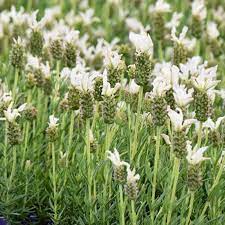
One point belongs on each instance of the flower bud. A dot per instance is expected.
(131, 71)
(109, 108)
(70, 55)
(74, 98)
(194, 178)
(131, 187)
(47, 85)
(14, 133)
(143, 65)
(202, 106)
(39, 77)
(158, 25)
(87, 104)
(159, 111)
(36, 42)
(169, 97)
(52, 129)
(115, 74)
(31, 80)
(30, 113)
(214, 138)
(56, 48)
(98, 85)
(179, 144)
(196, 27)
(179, 54)
(119, 173)
(17, 54)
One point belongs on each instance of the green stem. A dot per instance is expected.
(74, 4)
(203, 211)
(15, 83)
(6, 45)
(96, 113)
(121, 206)
(198, 47)
(137, 123)
(57, 83)
(13, 167)
(26, 191)
(156, 162)
(216, 181)
(106, 172)
(160, 51)
(5, 151)
(27, 127)
(175, 176)
(191, 202)
(54, 183)
(29, 5)
(133, 213)
(89, 169)
(199, 135)
(70, 136)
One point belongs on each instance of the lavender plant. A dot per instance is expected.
(79, 78)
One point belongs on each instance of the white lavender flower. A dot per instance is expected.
(175, 20)
(115, 158)
(212, 30)
(12, 114)
(131, 175)
(112, 58)
(134, 25)
(195, 156)
(177, 120)
(213, 126)
(170, 73)
(183, 96)
(53, 121)
(206, 79)
(160, 87)
(199, 9)
(107, 90)
(132, 87)
(142, 42)
(160, 7)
